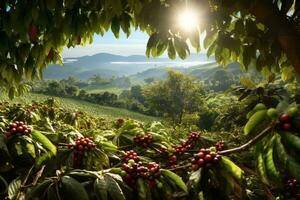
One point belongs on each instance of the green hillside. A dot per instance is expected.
(203, 72)
(90, 108)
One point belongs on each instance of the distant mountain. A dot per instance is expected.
(108, 65)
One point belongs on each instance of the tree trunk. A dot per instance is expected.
(281, 27)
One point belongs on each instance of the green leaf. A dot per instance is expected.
(108, 146)
(115, 27)
(290, 164)
(255, 120)
(72, 189)
(180, 47)
(151, 44)
(195, 177)
(3, 146)
(195, 40)
(3, 185)
(287, 73)
(209, 39)
(114, 190)
(282, 106)
(232, 168)
(52, 193)
(161, 48)
(171, 50)
(247, 82)
(39, 190)
(100, 188)
(142, 189)
(175, 178)
(14, 187)
(262, 169)
(292, 140)
(39, 137)
(270, 164)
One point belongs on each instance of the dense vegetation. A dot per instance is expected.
(141, 97)
(50, 153)
(250, 149)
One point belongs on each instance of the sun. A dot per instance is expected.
(188, 20)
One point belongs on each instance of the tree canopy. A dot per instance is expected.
(259, 33)
(179, 94)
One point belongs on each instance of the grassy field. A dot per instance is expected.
(101, 89)
(90, 108)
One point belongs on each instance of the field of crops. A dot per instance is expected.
(90, 108)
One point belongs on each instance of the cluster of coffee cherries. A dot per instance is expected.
(285, 122)
(143, 140)
(81, 144)
(292, 183)
(220, 145)
(172, 161)
(18, 127)
(130, 155)
(293, 188)
(182, 148)
(205, 158)
(187, 144)
(134, 170)
(120, 122)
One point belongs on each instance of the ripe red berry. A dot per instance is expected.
(201, 162)
(208, 157)
(285, 118)
(20, 129)
(13, 125)
(33, 32)
(201, 154)
(80, 147)
(173, 158)
(90, 145)
(287, 126)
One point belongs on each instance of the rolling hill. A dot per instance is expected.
(108, 65)
(90, 108)
(203, 72)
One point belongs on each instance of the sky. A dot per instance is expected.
(134, 45)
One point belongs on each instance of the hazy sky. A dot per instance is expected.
(135, 44)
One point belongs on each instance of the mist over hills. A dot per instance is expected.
(108, 65)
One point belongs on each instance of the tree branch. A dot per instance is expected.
(181, 167)
(251, 142)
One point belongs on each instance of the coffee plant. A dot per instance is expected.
(52, 156)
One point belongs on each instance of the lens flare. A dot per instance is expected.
(188, 20)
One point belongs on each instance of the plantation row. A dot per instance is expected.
(47, 152)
